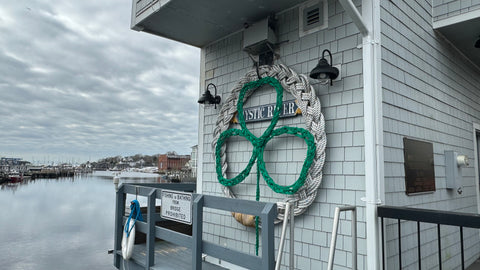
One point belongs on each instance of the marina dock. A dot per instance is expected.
(51, 173)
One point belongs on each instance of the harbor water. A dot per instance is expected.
(64, 223)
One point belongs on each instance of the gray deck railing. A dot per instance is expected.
(460, 220)
(266, 211)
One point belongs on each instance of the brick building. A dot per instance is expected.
(172, 161)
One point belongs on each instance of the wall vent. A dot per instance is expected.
(313, 17)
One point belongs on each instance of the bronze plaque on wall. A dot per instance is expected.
(419, 166)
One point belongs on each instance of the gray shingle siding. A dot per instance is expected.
(342, 105)
(430, 93)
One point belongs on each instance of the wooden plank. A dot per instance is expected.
(174, 237)
(268, 257)
(234, 205)
(233, 256)
(119, 210)
(197, 233)
(151, 229)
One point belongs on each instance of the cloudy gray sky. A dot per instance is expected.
(77, 84)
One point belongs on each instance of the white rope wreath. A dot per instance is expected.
(307, 101)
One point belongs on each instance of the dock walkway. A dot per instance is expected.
(168, 257)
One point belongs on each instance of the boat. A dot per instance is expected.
(15, 177)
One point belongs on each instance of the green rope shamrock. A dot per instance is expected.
(259, 143)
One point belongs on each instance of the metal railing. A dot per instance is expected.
(460, 220)
(289, 215)
(333, 241)
(266, 211)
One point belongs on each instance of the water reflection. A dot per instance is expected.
(14, 186)
(64, 223)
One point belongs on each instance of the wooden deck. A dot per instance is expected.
(168, 256)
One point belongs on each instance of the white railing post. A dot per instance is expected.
(333, 241)
(288, 214)
(292, 238)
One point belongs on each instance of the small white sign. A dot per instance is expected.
(177, 206)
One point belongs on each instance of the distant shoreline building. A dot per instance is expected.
(13, 164)
(193, 160)
(172, 161)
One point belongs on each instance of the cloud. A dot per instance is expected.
(77, 83)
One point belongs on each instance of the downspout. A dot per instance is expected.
(373, 119)
(369, 26)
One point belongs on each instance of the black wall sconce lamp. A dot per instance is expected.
(207, 97)
(324, 71)
(477, 43)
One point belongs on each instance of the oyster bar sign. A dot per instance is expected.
(265, 112)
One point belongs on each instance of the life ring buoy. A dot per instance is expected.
(128, 240)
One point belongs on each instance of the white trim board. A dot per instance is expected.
(476, 128)
(201, 119)
(456, 19)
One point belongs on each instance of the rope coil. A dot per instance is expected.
(303, 192)
(136, 214)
